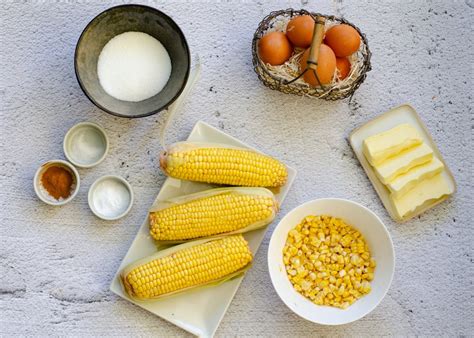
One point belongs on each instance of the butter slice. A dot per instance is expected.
(391, 168)
(402, 184)
(429, 189)
(377, 148)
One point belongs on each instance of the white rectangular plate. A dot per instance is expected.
(198, 311)
(392, 118)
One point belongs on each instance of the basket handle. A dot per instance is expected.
(318, 34)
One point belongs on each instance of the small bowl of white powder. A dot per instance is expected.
(110, 197)
(132, 61)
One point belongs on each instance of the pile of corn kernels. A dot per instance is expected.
(328, 261)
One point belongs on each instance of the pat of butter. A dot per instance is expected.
(429, 189)
(377, 148)
(402, 163)
(404, 183)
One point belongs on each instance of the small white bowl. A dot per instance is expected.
(86, 144)
(381, 248)
(41, 191)
(116, 188)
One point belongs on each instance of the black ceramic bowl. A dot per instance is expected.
(121, 19)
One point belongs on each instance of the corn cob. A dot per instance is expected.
(186, 266)
(215, 163)
(213, 212)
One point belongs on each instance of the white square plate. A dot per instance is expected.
(392, 118)
(198, 311)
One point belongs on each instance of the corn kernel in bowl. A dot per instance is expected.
(328, 261)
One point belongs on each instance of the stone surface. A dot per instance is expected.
(56, 263)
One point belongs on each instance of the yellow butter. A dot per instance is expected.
(377, 148)
(429, 189)
(400, 185)
(402, 163)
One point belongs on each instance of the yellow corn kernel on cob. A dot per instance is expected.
(214, 163)
(187, 266)
(213, 212)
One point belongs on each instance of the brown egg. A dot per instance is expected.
(274, 48)
(344, 67)
(326, 66)
(300, 30)
(343, 39)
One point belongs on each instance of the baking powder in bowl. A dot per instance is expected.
(133, 66)
(111, 198)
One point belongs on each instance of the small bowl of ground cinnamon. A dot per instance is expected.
(56, 182)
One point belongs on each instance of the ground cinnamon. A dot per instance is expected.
(57, 181)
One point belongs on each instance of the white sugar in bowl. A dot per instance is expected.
(110, 197)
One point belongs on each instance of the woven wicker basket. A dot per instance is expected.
(328, 92)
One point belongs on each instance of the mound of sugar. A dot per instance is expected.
(133, 66)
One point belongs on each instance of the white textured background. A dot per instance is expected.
(56, 263)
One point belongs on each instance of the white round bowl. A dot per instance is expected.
(86, 144)
(378, 240)
(98, 185)
(41, 191)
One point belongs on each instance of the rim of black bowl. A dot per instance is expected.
(153, 112)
